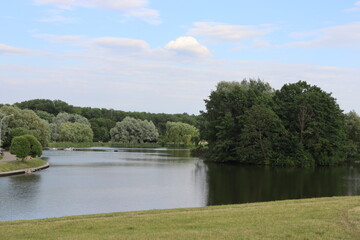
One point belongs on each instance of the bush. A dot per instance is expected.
(26, 145)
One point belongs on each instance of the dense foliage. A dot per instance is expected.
(181, 133)
(131, 130)
(75, 132)
(101, 119)
(27, 122)
(26, 145)
(298, 125)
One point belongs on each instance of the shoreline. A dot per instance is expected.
(24, 171)
(313, 218)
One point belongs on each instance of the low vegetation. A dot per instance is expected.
(18, 165)
(102, 144)
(324, 218)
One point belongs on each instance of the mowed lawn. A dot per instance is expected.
(323, 218)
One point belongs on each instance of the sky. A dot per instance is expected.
(167, 56)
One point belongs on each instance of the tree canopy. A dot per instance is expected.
(181, 133)
(25, 145)
(297, 125)
(131, 130)
(75, 132)
(26, 119)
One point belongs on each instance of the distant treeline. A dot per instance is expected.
(101, 119)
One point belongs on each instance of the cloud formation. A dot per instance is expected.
(223, 32)
(122, 45)
(134, 8)
(355, 8)
(344, 36)
(6, 50)
(188, 46)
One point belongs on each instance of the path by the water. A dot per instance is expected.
(8, 157)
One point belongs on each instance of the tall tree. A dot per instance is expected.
(314, 121)
(223, 120)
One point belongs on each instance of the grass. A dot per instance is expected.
(324, 218)
(18, 165)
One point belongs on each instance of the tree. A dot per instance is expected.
(260, 135)
(131, 130)
(222, 123)
(20, 147)
(181, 133)
(315, 124)
(29, 120)
(62, 118)
(352, 125)
(35, 146)
(101, 128)
(75, 132)
(45, 115)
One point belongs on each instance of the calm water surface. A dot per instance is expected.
(113, 180)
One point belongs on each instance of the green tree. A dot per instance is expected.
(101, 128)
(260, 136)
(181, 133)
(315, 124)
(35, 146)
(75, 132)
(223, 122)
(62, 118)
(131, 130)
(20, 146)
(352, 125)
(29, 120)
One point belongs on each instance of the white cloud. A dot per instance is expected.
(355, 8)
(59, 38)
(122, 45)
(6, 50)
(135, 8)
(347, 36)
(188, 46)
(56, 15)
(223, 32)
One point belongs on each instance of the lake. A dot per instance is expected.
(102, 180)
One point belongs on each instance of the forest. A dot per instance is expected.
(244, 122)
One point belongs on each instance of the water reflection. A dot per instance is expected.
(228, 184)
(121, 179)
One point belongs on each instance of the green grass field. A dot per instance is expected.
(324, 218)
(18, 165)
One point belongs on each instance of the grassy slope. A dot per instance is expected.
(324, 218)
(17, 165)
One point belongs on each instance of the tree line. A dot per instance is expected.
(298, 125)
(57, 121)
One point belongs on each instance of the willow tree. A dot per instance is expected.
(26, 119)
(181, 133)
(131, 130)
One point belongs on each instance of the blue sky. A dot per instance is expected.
(166, 56)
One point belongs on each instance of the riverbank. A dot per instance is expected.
(323, 218)
(13, 166)
(112, 144)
